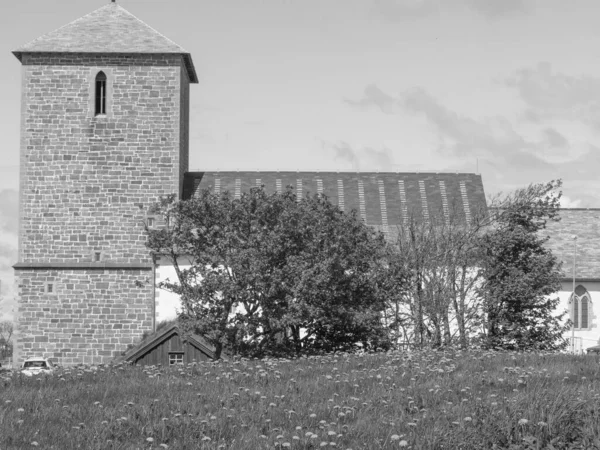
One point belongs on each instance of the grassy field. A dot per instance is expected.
(424, 400)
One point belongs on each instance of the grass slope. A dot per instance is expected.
(422, 400)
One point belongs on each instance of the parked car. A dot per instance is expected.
(37, 366)
(595, 349)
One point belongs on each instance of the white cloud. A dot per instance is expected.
(567, 202)
(508, 158)
(550, 95)
(366, 158)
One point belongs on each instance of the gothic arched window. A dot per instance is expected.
(580, 308)
(100, 104)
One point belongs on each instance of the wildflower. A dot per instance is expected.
(20, 410)
(468, 419)
(149, 439)
(35, 444)
(394, 437)
(542, 424)
(402, 443)
(523, 421)
(164, 446)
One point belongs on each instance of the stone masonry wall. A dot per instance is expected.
(90, 317)
(184, 129)
(86, 185)
(87, 181)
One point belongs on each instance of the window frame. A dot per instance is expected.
(178, 360)
(50, 288)
(108, 94)
(100, 93)
(576, 309)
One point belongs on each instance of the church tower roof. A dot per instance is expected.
(109, 29)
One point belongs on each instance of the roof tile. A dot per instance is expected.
(366, 192)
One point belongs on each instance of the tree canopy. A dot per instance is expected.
(521, 274)
(271, 273)
(275, 274)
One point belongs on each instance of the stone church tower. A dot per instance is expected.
(104, 133)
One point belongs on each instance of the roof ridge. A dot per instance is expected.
(341, 172)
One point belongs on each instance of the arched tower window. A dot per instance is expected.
(100, 104)
(580, 307)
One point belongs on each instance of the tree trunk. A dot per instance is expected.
(447, 333)
(419, 310)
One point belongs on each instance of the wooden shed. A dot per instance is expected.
(169, 347)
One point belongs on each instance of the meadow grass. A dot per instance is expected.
(418, 400)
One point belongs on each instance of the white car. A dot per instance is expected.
(37, 366)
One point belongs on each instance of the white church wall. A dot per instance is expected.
(168, 304)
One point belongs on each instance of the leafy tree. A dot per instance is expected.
(6, 344)
(521, 274)
(440, 257)
(272, 273)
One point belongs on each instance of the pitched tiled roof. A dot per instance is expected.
(384, 200)
(109, 29)
(585, 224)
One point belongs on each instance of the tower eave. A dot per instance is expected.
(187, 59)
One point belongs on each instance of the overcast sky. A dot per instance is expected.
(507, 87)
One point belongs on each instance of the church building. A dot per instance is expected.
(104, 134)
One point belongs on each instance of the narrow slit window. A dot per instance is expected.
(100, 93)
(50, 288)
(584, 312)
(97, 256)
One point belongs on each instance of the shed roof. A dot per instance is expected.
(382, 199)
(161, 336)
(109, 29)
